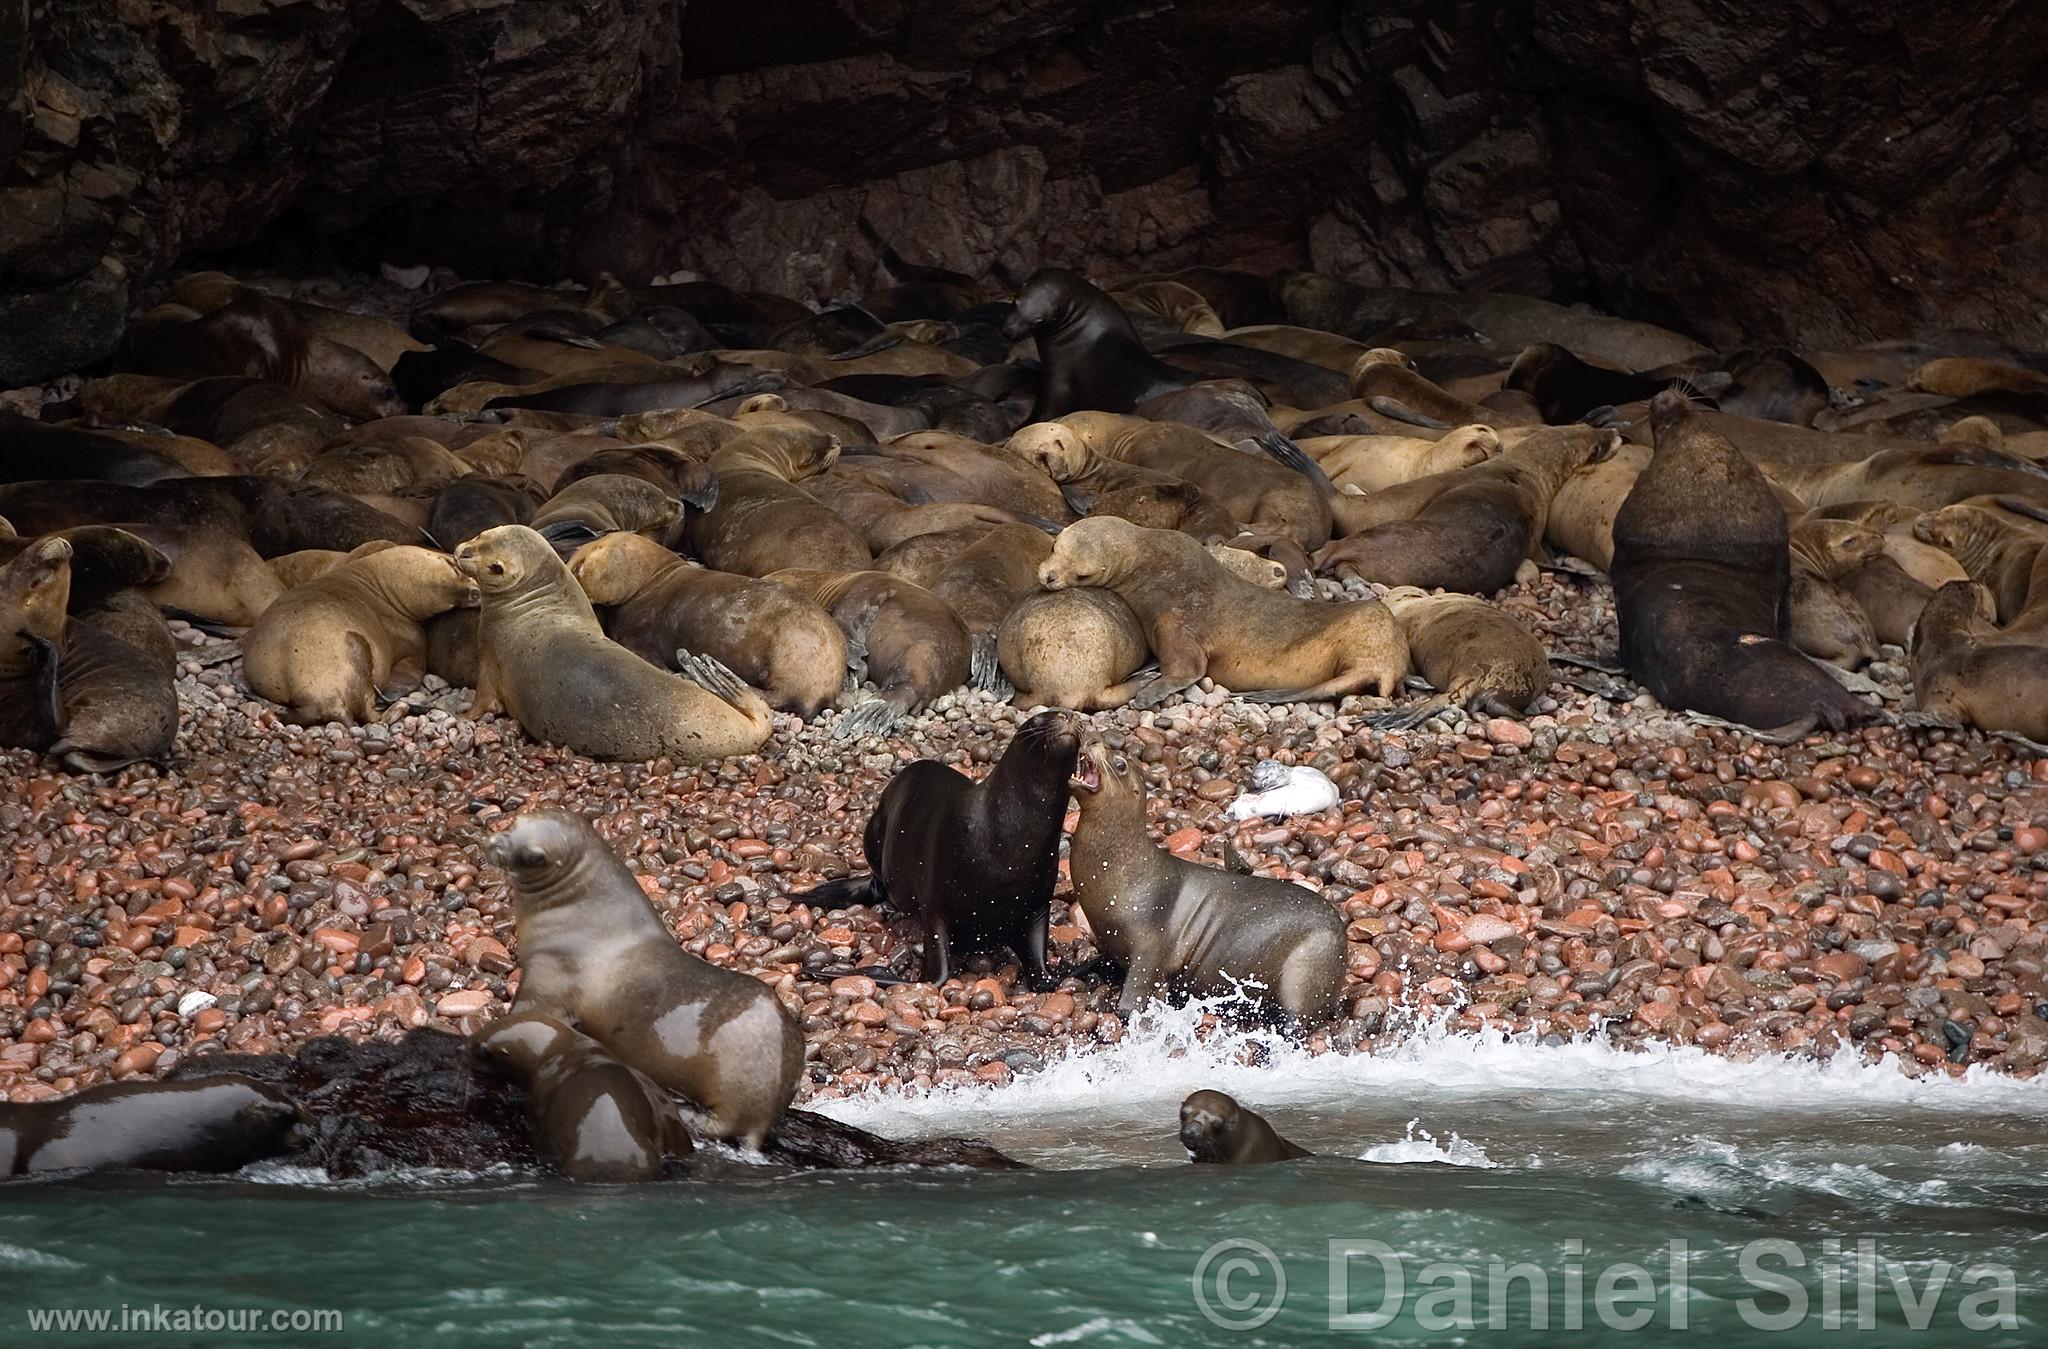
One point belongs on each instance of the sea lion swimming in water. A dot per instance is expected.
(1215, 1128)
(596, 954)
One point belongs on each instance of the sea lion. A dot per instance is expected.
(1237, 415)
(1963, 672)
(1825, 622)
(764, 522)
(1180, 307)
(1701, 571)
(1566, 388)
(1473, 653)
(116, 680)
(323, 650)
(467, 507)
(1473, 529)
(1375, 463)
(35, 589)
(898, 634)
(1926, 477)
(542, 657)
(974, 863)
(596, 954)
(209, 1124)
(384, 466)
(1092, 356)
(1070, 648)
(1201, 620)
(885, 521)
(654, 603)
(1183, 929)
(986, 474)
(1997, 555)
(982, 583)
(605, 503)
(1384, 381)
(1966, 377)
(1215, 1128)
(274, 516)
(34, 451)
(675, 472)
(600, 1121)
(1095, 484)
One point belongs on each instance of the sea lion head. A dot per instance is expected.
(1834, 547)
(351, 384)
(1979, 431)
(34, 590)
(1091, 552)
(1969, 533)
(617, 567)
(1208, 1124)
(505, 558)
(1669, 411)
(428, 581)
(1465, 446)
(1055, 734)
(495, 453)
(1098, 768)
(1957, 609)
(515, 1046)
(1057, 450)
(1379, 356)
(792, 451)
(539, 849)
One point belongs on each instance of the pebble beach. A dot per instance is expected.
(1604, 869)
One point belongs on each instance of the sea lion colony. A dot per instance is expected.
(659, 524)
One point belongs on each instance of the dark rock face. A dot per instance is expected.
(1825, 171)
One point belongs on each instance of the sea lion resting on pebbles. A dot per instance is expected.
(542, 656)
(1476, 656)
(1702, 570)
(764, 522)
(780, 642)
(974, 863)
(1179, 928)
(600, 1121)
(596, 954)
(324, 649)
(1070, 648)
(1202, 620)
(1963, 672)
(1215, 1128)
(209, 1124)
(900, 635)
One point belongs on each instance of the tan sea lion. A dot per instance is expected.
(1963, 672)
(1176, 305)
(1926, 477)
(542, 657)
(1473, 653)
(1185, 930)
(35, 589)
(764, 522)
(598, 1120)
(1385, 380)
(1303, 344)
(1070, 648)
(596, 954)
(382, 467)
(1375, 463)
(984, 580)
(1996, 554)
(1215, 1128)
(324, 649)
(605, 503)
(1202, 620)
(898, 634)
(654, 604)
(1581, 522)
(1966, 377)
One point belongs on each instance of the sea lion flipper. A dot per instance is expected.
(1404, 718)
(1158, 689)
(1290, 455)
(985, 673)
(713, 676)
(1401, 412)
(871, 718)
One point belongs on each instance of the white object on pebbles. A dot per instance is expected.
(1280, 790)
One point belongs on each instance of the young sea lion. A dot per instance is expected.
(1702, 570)
(900, 635)
(117, 682)
(1963, 672)
(763, 521)
(1070, 648)
(1215, 1128)
(598, 1120)
(975, 863)
(1375, 463)
(1996, 554)
(1476, 656)
(543, 657)
(209, 1124)
(323, 650)
(1183, 929)
(654, 603)
(596, 954)
(1566, 388)
(1386, 382)
(1202, 620)
(467, 507)
(1473, 529)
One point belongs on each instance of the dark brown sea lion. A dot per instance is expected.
(274, 516)
(653, 603)
(605, 503)
(689, 480)
(467, 507)
(323, 650)
(598, 1120)
(1215, 1128)
(711, 379)
(1566, 388)
(1070, 648)
(1384, 381)
(1963, 672)
(116, 679)
(1092, 356)
(898, 634)
(974, 863)
(1200, 619)
(1473, 529)
(1702, 570)
(764, 521)
(1236, 414)
(209, 1124)
(1927, 477)
(256, 336)
(32, 451)
(1185, 930)
(542, 656)
(596, 954)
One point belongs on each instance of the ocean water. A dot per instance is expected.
(1469, 1190)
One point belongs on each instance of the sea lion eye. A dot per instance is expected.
(1117, 765)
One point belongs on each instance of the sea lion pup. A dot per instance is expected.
(1701, 572)
(1963, 672)
(1965, 377)
(1185, 930)
(1997, 555)
(1200, 619)
(764, 522)
(905, 639)
(974, 863)
(599, 1121)
(1262, 496)
(1375, 463)
(597, 955)
(467, 507)
(689, 480)
(1095, 484)
(1475, 656)
(1825, 620)
(986, 473)
(117, 676)
(1474, 528)
(542, 657)
(885, 521)
(1215, 1128)
(35, 588)
(1566, 388)
(1383, 380)
(654, 603)
(207, 1124)
(982, 583)
(1070, 648)
(323, 650)
(606, 503)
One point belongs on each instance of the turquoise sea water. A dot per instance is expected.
(1799, 1197)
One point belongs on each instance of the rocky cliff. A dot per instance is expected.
(1821, 170)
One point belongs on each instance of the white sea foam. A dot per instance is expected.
(26, 1259)
(1420, 1145)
